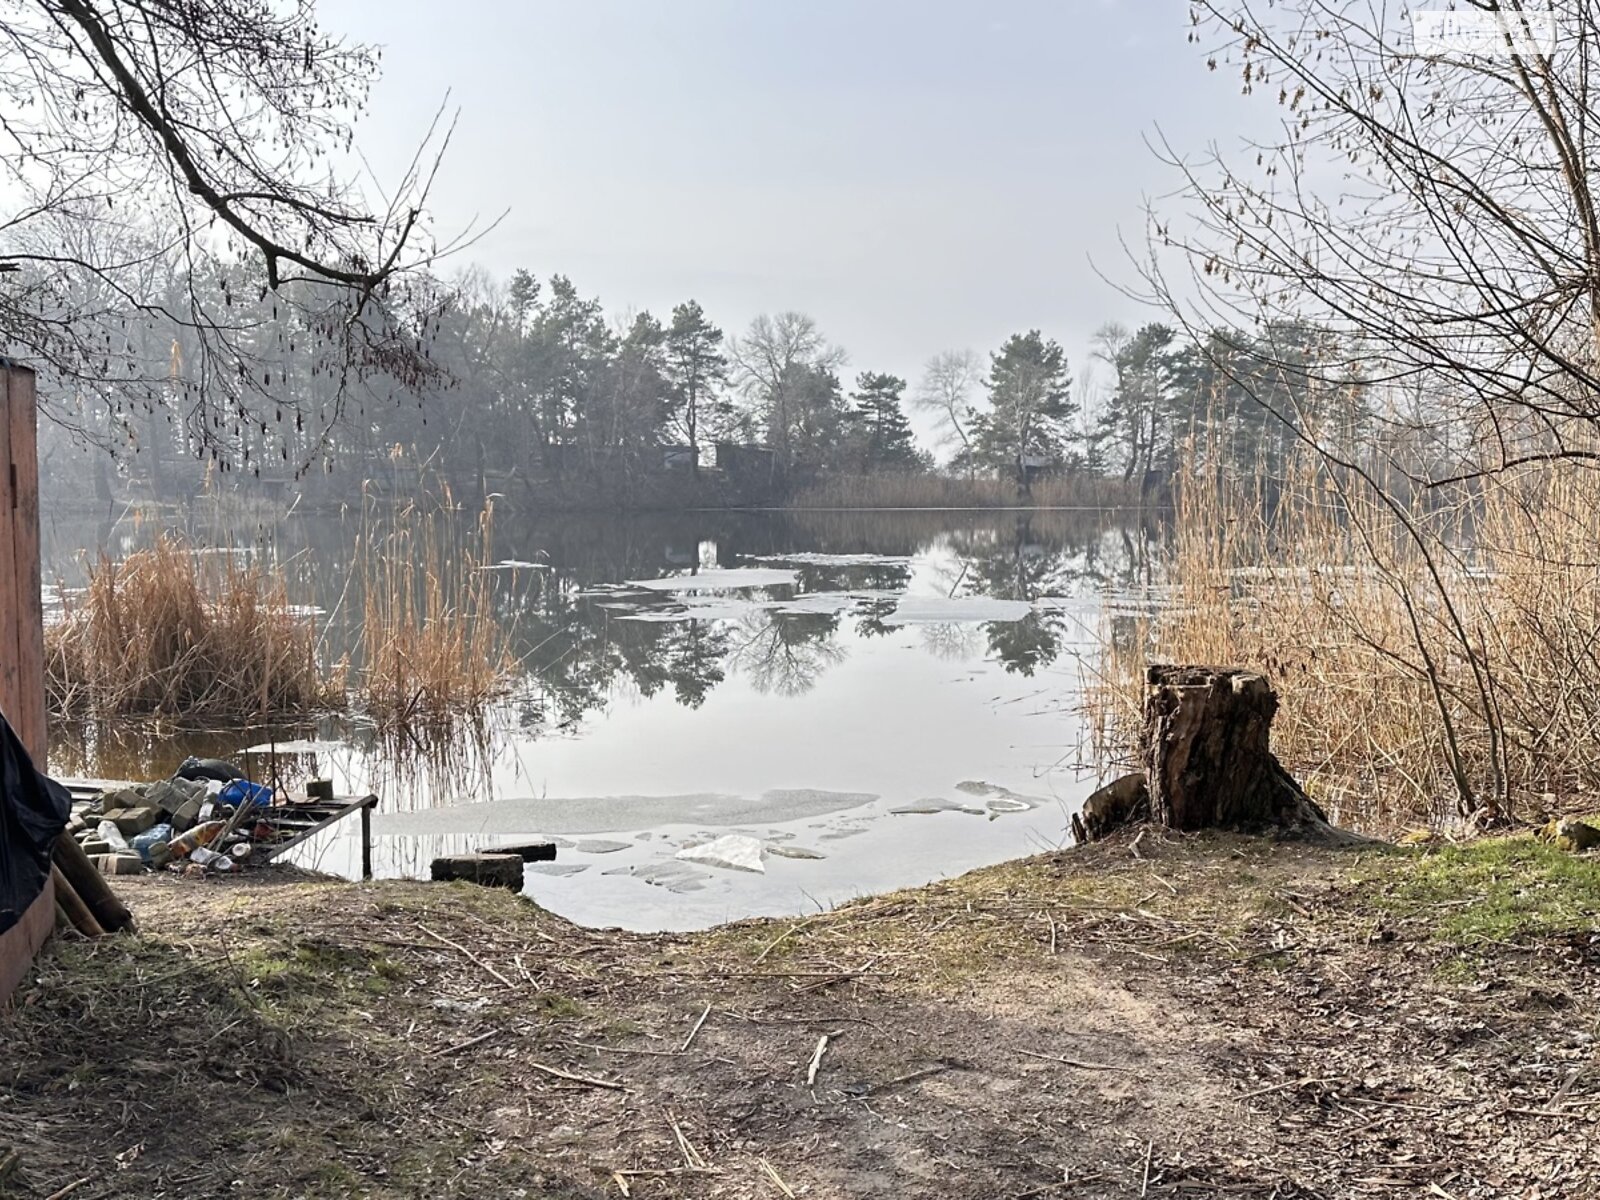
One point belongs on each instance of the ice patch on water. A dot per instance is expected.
(734, 851)
(840, 834)
(718, 581)
(559, 870)
(692, 609)
(1000, 799)
(515, 564)
(599, 846)
(675, 877)
(817, 559)
(825, 604)
(933, 610)
(783, 850)
(935, 804)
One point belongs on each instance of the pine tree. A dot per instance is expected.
(1031, 410)
(887, 440)
(695, 367)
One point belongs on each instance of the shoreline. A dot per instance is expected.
(1177, 1015)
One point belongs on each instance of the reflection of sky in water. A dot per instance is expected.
(882, 663)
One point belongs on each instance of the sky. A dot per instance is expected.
(917, 175)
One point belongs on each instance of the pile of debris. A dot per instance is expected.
(207, 818)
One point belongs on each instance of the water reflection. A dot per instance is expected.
(589, 638)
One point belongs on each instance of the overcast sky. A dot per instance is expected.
(916, 174)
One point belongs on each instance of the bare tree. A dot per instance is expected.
(215, 136)
(1431, 210)
(767, 364)
(1434, 210)
(946, 390)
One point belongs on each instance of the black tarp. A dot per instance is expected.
(33, 812)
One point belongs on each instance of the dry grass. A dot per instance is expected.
(174, 633)
(1431, 659)
(433, 649)
(927, 490)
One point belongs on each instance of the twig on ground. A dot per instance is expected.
(584, 1079)
(816, 1058)
(781, 938)
(1149, 1150)
(1278, 1087)
(1073, 1062)
(468, 954)
(693, 1160)
(466, 1045)
(777, 1180)
(693, 1033)
(623, 1049)
(914, 1076)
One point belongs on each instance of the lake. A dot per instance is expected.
(878, 699)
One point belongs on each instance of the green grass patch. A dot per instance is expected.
(1493, 890)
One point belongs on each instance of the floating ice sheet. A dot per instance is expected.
(719, 580)
(935, 804)
(814, 559)
(735, 851)
(937, 610)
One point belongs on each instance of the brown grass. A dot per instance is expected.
(173, 633)
(928, 490)
(433, 650)
(1429, 660)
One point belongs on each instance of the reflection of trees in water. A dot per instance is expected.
(577, 654)
(949, 641)
(1037, 556)
(786, 654)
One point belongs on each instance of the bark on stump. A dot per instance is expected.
(1208, 763)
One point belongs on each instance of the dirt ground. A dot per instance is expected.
(1150, 1017)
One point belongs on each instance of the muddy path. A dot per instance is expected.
(1183, 1018)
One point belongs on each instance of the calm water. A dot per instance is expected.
(878, 698)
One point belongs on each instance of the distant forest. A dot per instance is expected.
(533, 392)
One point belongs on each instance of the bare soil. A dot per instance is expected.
(1159, 1017)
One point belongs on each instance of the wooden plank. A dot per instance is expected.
(341, 814)
(29, 721)
(21, 942)
(11, 700)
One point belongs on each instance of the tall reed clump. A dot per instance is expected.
(912, 489)
(194, 637)
(433, 649)
(1437, 659)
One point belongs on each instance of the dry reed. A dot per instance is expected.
(433, 649)
(186, 636)
(1433, 660)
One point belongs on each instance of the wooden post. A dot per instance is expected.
(21, 595)
(366, 841)
(21, 630)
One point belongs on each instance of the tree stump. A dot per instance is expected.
(1208, 763)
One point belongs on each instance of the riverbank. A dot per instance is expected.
(1153, 1016)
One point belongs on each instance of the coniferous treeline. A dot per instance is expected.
(536, 391)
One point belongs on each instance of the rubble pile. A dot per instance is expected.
(206, 818)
